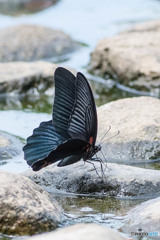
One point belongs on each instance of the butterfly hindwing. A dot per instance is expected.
(83, 121)
(68, 152)
(43, 140)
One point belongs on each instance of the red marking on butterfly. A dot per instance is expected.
(91, 140)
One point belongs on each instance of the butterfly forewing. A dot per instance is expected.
(64, 99)
(83, 121)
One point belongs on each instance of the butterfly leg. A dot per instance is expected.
(94, 167)
(105, 164)
(101, 164)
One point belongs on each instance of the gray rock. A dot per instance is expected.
(23, 77)
(31, 42)
(133, 57)
(25, 207)
(153, 25)
(10, 146)
(138, 120)
(120, 180)
(16, 7)
(81, 231)
(145, 216)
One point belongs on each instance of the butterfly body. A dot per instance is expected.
(71, 134)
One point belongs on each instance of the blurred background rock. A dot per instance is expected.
(17, 7)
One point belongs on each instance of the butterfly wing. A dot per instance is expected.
(43, 140)
(83, 121)
(64, 99)
(74, 110)
(68, 152)
(74, 124)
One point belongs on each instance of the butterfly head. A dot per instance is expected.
(97, 148)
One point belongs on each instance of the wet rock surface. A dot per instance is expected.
(132, 57)
(81, 231)
(10, 146)
(120, 180)
(23, 77)
(145, 216)
(138, 120)
(25, 207)
(16, 7)
(31, 42)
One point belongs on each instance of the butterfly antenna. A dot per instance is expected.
(105, 134)
(111, 137)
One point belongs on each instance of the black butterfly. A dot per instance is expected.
(72, 132)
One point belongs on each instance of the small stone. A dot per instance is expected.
(10, 146)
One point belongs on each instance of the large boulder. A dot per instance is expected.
(31, 42)
(25, 207)
(144, 219)
(15, 7)
(26, 77)
(138, 120)
(10, 146)
(79, 232)
(116, 180)
(132, 57)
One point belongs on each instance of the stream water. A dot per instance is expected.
(86, 22)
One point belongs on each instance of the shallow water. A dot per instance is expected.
(87, 22)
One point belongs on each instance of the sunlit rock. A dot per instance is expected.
(138, 120)
(144, 219)
(31, 42)
(25, 207)
(17, 7)
(81, 231)
(118, 180)
(26, 77)
(131, 57)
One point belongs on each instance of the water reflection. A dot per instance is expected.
(43, 103)
(105, 210)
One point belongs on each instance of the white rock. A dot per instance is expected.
(145, 216)
(79, 232)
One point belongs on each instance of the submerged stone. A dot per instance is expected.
(10, 146)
